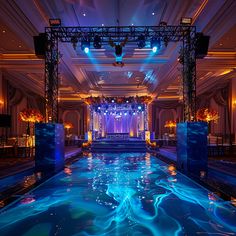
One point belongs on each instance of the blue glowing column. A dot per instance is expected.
(49, 146)
(192, 147)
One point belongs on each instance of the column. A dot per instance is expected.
(233, 107)
(192, 148)
(49, 147)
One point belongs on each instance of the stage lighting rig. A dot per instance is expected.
(118, 47)
(85, 46)
(155, 44)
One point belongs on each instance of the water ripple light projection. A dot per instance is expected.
(119, 194)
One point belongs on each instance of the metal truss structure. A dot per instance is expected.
(165, 34)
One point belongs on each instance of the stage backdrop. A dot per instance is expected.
(125, 122)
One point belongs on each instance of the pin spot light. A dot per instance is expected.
(85, 46)
(155, 44)
(97, 43)
(86, 50)
(141, 41)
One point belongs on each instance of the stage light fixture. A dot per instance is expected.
(85, 46)
(162, 23)
(97, 43)
(118, 50)
(186, 21)
(166, 41)
(118, 63)
(155, 44)
(141, 41)
(55, 22)
(74, 42)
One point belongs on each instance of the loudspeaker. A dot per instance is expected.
(40, 43)
(5, 120)
(202, 43)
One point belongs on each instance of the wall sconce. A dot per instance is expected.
(1, 102)
(234, 102)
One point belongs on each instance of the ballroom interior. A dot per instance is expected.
(90, 68)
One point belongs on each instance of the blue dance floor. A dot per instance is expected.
(118, 194)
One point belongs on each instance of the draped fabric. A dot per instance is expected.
(19, 100)
(15, 96)
(220, 97)
(203, 101)
(167, 104)
(71, 105)
(124, 124)
(163, 111)
(33, 100)
(111, 123)
(219, 94)
(165, 115)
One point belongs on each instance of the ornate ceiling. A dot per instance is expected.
(143, 72)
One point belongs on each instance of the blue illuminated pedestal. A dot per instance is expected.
(49, 147)
(192, 147)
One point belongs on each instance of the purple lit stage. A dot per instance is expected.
(118, 121)
(117, 136)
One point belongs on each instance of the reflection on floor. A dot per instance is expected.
(221, 171)
(121, 194)
(17, 175)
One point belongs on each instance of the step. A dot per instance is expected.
(118, 146)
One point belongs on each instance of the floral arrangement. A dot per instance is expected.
(151, 144)
(31, 115)
(207, 115)
(67, 125)
(170, 124)
(119, 100)
(86, 145)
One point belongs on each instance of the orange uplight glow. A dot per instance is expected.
(86, 145)
(31, 115)
(170, 124)
(131, 133)
(207, 115)
(172, 170)
(68, 125)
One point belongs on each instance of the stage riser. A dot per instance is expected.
(118, 146)
(115, 151)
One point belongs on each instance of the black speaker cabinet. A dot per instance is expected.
(40, 42)
(5, 120)
(202, 43)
